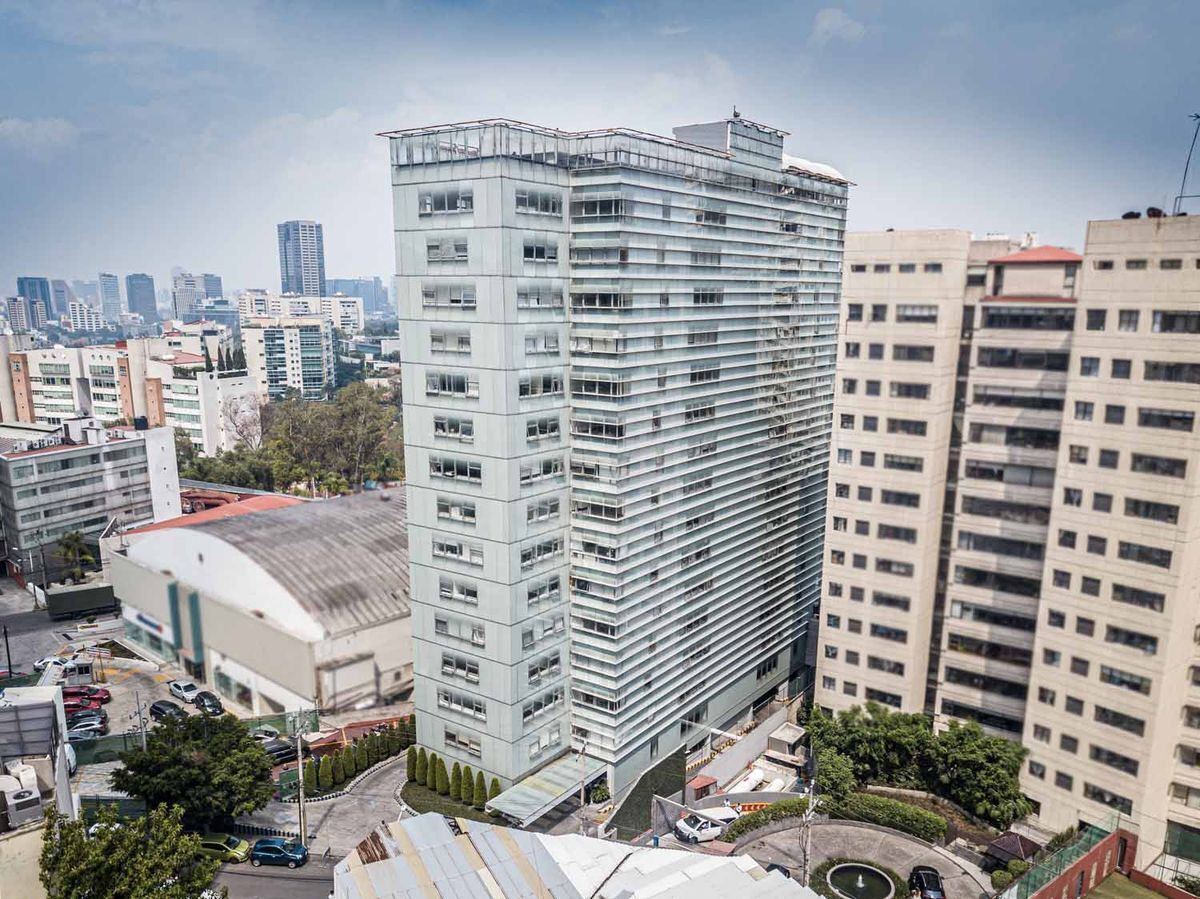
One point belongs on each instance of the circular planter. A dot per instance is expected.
(858, 880)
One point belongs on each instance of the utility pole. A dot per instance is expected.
(806, 821)
(8, 652)
(582, 797)
(300, 782)
(137, 698)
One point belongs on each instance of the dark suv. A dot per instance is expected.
(926, 881)
(208, 703)
(164, 708)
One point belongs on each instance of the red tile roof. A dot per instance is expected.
(229, 510)
(1038, 255)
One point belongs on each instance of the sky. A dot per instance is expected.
(137, 135)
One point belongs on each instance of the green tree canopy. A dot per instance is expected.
(835, 776)
(134, 857)
(210, 767)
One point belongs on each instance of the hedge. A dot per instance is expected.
(819, 879)
(894, 814)
(776, 811)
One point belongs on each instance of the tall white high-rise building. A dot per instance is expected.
(302, 258)
(618, 369)
(187, 291)
(111, 306)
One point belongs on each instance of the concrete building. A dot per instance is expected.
(344, 313)
(290, 352)
(18, 311)
(139, 293)
(302, 258)
(79, 476)
(295, 605)
(111, 305)
(651, 321)
(429, 856)
(32, 729)
(61, 295)
(213, 290)
(187, 290)
(374, 294)
(86, 318)
(37, 291)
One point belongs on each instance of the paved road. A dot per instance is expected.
(313, 881)
(31, 635)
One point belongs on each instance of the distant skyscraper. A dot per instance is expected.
(212, 286)
(37, 290)
(302, 258)
(372, 291)
(110, 297)
(88, 291)
(139, 294)
(62, 296)
(186, 292)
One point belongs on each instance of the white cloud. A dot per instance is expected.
(37, 137)
(675, 29)
(832, 23)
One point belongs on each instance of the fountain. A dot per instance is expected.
(857, 880)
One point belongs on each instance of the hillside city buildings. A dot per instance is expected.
(1011, 517)
(302, 258)
(618, 359)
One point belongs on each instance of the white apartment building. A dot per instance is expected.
(344, 313)
(86, 318)
(618, 357)
(187, 290)
(290, 352)
(111, 304)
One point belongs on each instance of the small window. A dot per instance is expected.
(1089, 366)
(1096, 319)
(1135, 265)
(1121, 369)
(1103, 265)
(1170, 265)
(1127, 320)
(1114, 415)
(933, 268)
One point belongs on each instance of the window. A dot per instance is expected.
(449, 296)
(852, 350)
(907, 268)
(1115, 677)
(1095, 319)
(933, 268)
(895, 634)
(1046, 696)
(913, 314)
(865, 494)
(911, 427)
(1170, 265)
(904, 353)
(870, 423)
(545, 344)
(858, 267)
(1119, 720)
(1101, 502)
(1037, 769)
(1160, 465)
(866, 458)
(879, 312)
(450, 342)
(1127, 320)
(1097, 546)
(458, 551)
(537, 429)
(538, 202)
(1062, 579)
(451, 384)
(1105, 797)
(542, 510)
(446, 249)
(908, 391)
(540, 469)
(854, 312)
(452, 199)
(891, 566)
(455, 469)
(540, 250)
(1133, 639)
(1029, 360)
(1041, 733)
(1004, 546)
(1066, 538)
(457, 666)
(701, 338)
(449, 509)
(892, 532)
(1170, 322)
(1168, 419)
(542, 384)
(449, 428)
(846, 422)
(875, 351)
(707, 297)
(1102, 265)
(881, 268)
(1089, 366)
(872, 388)
(887, 666)
(463, 743)
(1072, 496)
(452, 590)
(902, 463)
(1084, 411)
(1108, 458)
(539, 297)
(1089, 586)
(1055, 618)
(1121, 369)
(1135, 264)
(849, 385)
(1028, 318)
(1114, 415)
(900, 498)
(1073, 705)
(1136, 596)
(1146, 555)
(890, 601)
(1174, 372)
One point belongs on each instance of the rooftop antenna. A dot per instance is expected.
(1195, 117)
(738, 115)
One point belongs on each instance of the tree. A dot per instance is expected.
(431, 771)
(835, 776)
(360, 756)
(422, 766)
(410, 767)
(349, 762)
(456, 781)
(133, 857)
(981, 773)
(242, 417)
(467, 794)
(211, 767)
(494, 789)
(442, 783)
(395, 740)
(480, 790)
(208, 363)
(339, 772)
(325, 773)
(310, 777)
(74, 553)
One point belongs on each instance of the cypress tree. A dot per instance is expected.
(456, 781)
(494, 789)
(443, 779)
(431, 772)
(208, 363)
(325, 773)
(480, 791)
(467, 789)
(422, 766)
(339, 772)
(349, 763)
(310, 777)
(411, 763)
(360, 756)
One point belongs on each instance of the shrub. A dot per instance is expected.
(835, 775)
(456, 781)
(892, 813)
(494, 788)
(480, 791)
(349, 762)
(361, 762)
(1017, 867)
(411, 759)
(325, 773)
(310, 777)
(339, 772)
(776, 811)
(468, 786)
(1001, 879)
(431, 772)
(443, 779)
(422, 766)
(1188, 883)
(1060, 839)
(393, 735)
(600, 792)
(819, 879)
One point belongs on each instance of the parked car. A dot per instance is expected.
(41, 664)
(278, 851)
(926, 881)
(224, 847)
(208, 703)
(164, 708)
(782, 869)
(87, 730)
(184, 689)
(87, 715)
(72, 761)
(265, 734)
(280, 751)
(705, 825)
(78, 703)
(87, 691)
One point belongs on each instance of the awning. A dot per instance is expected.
(527, 800)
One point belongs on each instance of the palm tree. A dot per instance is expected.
(74, 552)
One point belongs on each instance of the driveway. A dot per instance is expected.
(834, 839)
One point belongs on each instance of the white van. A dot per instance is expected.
(705, 825)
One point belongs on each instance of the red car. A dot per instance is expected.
(87, 691)
(76, 704)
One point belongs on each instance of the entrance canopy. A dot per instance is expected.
(527, 800)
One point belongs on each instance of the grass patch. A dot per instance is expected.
(423, 799)
(1118, 886)
(819, 879)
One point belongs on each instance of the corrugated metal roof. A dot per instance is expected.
(345, 560)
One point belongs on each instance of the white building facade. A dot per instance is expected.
(290, 352)
(618, 360)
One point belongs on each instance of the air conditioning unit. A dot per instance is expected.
(24, 807)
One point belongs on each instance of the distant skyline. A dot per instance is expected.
(151, 135)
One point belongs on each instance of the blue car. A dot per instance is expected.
(278, 851)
